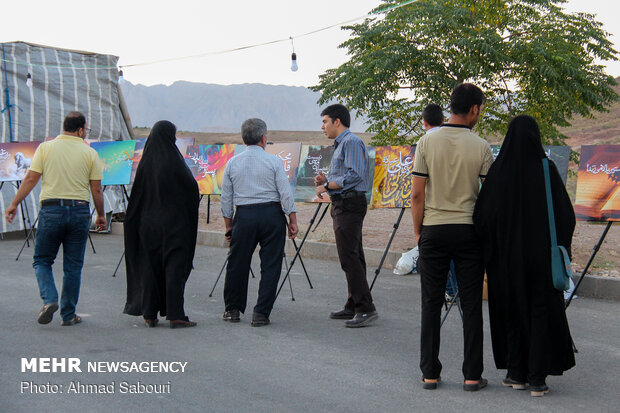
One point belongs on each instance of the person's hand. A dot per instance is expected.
(320, 179)
(417, 239)
(10, 213)
(101, 223)
(228, 234)
(292, 230)
(320, 190)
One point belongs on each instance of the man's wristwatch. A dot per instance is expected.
(326, 185)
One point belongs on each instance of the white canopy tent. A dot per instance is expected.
(40, 85)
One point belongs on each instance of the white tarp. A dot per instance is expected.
(62, 81)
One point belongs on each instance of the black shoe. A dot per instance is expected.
(539, 391)
(182, 323)
(517, 385)
(426, 385)
(151, 322)
(482, 383)
(231, 316)
(259, 320)
(343, 314)
(362, 319)
(47, 313)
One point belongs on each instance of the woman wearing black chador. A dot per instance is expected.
(160, 231)
(529, 330)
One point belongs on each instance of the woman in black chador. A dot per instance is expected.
(160, 231)
(529, 329)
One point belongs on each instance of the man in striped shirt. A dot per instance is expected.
(256, 184)
(346, 185)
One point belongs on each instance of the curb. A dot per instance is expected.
(593, 286)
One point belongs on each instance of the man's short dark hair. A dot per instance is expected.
(73, 122)
(338, 111)
(252, 130)
(433, 114)
(464, 96)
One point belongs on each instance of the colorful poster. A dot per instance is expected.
(560, 155)
(314, 158)
(137, 156)
(117, 157)
(288, 153)
(15, 159)
(183, 143)
(372, 151)
(598, 184)
(392, 180)
(207, 163)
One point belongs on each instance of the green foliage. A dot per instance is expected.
(529, 56)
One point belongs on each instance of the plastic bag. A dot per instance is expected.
(407, 262)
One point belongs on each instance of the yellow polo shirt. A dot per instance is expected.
(453, 159)
(67, 166)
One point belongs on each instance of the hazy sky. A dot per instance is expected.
(141, 31)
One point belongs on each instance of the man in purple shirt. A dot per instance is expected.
(346, 185)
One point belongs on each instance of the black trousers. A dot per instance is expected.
(262, 224)
(348, 217)
(438, 245)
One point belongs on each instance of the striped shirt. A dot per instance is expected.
(349, 166)
(254, 177)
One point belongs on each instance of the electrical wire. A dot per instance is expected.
(218, 52)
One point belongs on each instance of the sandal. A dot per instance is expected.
(430, 385)
(75, 320)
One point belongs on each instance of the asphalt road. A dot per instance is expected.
(302, 362)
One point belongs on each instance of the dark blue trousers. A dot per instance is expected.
(262, 224)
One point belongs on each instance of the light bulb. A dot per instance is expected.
(29, 80)
(294, 66)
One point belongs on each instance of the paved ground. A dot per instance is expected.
(303, 362)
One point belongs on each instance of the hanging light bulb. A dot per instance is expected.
(29, 80)
(294, 66)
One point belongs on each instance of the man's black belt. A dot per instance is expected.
(64, 202)
(345, 195)
(261, 204)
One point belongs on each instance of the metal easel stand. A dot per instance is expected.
(450, 303)
(387, 248)
(222, 270)
(298, 252)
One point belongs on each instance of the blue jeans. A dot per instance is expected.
(451, 286)
(66, 225)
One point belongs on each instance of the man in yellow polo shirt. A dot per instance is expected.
(449, 164)
(67, 167)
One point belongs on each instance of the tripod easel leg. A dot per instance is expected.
(320, 219)
(21, 208)
(303, 265)
(587, 267)
(119, 263)
(290, 284)
(32, 228)
(316, 212)
(378, 270)
(220, 274)
(456, 300)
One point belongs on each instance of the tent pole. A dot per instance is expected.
(7, 97)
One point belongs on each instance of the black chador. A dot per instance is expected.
(529, 330)
(160, 228)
